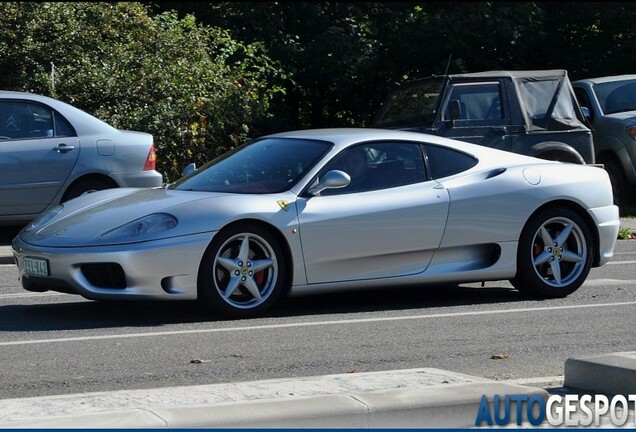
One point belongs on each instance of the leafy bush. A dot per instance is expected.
(198, 91)
(624, 233)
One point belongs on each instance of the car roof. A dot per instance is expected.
(343, 137)
(610, 78)
(491, 74)
(7, 94)
(346, 136)
(82, 120)
(513, 74)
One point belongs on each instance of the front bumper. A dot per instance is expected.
(160, 269)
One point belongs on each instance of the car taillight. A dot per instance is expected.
(632, 131)
(151, 160)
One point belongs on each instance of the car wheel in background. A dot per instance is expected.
(555, 254)
(83, 186)
(620, 187)
(242, 272)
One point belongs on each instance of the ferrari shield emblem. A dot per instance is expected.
(283, 204)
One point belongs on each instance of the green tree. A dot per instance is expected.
(326, 49)
(342, 57)
(589, 39)
(197, 90)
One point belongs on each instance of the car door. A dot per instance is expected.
(475, 112)
(390, 226)
(38, 150)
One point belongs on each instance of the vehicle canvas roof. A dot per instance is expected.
(546, 97)
(525, 74)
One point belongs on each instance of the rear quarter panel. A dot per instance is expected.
(485, 210)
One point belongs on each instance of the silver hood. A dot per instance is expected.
(83, 220)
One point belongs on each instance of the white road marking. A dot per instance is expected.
(620, 262)
(536, 380)
(31, 294)
(605, 282)
(312, 324)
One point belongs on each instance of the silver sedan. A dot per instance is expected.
(329, 209)
(51, 152)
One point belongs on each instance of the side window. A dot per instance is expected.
(477, 102)
(583, 100)
(62, 127)
(444, 162)
(375, 166)
(581, 96)
(26, 120)
(23, 120)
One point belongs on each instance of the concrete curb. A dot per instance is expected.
(6, 255)
(416, 398)
(446, 408)
(607, 373)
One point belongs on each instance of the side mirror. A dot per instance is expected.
(331, 180)
(586, 112)
(189, 169)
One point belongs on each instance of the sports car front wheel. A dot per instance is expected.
(242, 272)
(554, 255)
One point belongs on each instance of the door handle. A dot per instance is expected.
(63, 148)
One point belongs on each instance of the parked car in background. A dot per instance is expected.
(611, 103)
(325, 210)
(51, 152)
(528, 112)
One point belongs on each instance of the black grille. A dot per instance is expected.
(105, 275)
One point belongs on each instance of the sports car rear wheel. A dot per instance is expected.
(242, 272)
(555, 254)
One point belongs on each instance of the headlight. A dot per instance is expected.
(44, 219)
(142, 227)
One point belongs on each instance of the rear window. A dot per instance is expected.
(444, 162)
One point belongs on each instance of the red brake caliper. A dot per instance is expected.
(536, 251)
(260, 278)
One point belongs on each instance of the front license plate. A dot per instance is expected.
(36, 266)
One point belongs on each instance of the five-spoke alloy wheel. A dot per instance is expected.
(555, 254)
(242, 272)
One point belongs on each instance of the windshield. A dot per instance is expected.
(268, 165)
(616, 96)
(414, 104)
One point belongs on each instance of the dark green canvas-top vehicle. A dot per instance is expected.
(528, 112)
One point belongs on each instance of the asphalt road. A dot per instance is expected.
(60, 344)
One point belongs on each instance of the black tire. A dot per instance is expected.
(229, 262)
(620, 187)
(554, 255)
(83, 186)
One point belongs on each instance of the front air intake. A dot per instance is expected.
(105, 275)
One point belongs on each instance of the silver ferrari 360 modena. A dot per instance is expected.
(328, 209)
